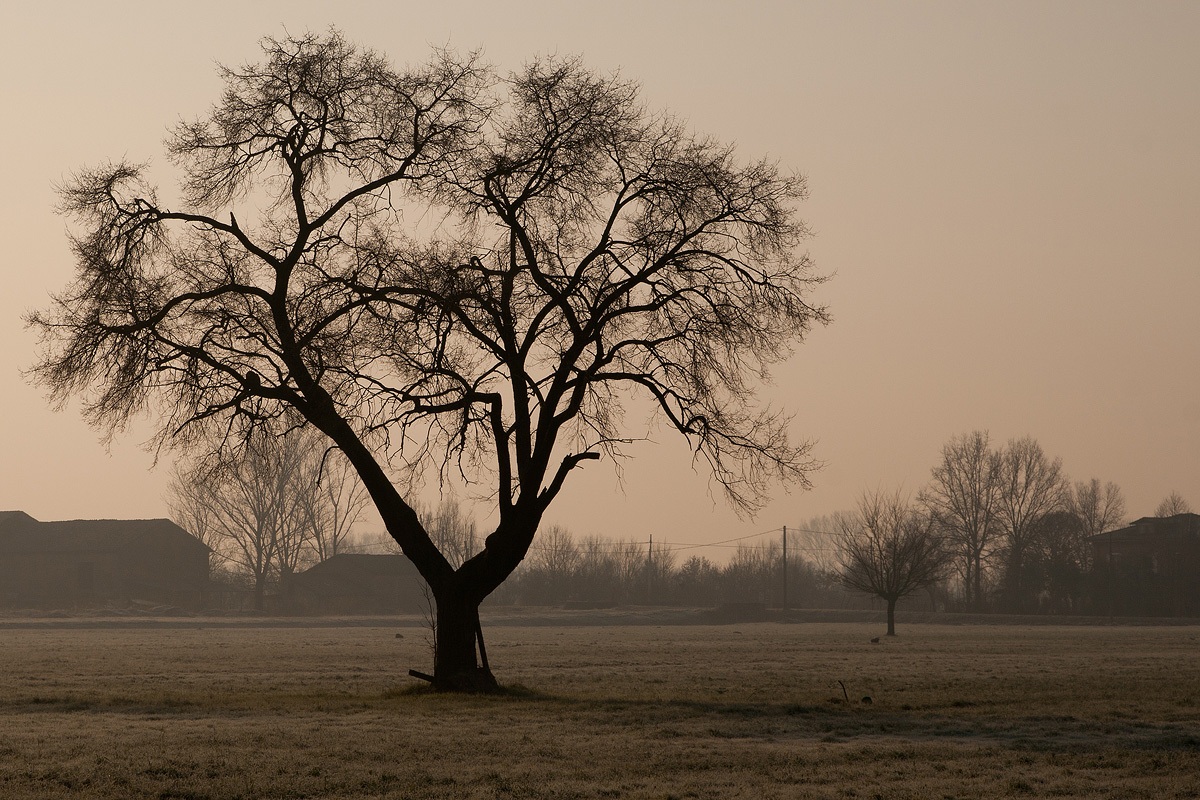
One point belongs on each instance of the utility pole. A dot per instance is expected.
(785, 599)
(650, 571)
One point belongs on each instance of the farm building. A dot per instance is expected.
(98, 563)
(357, 583)
(1151, 567)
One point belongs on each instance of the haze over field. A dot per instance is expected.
(1007, 196)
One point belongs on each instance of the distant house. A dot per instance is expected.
(357, 583)
(98, 563)
(1151, 567)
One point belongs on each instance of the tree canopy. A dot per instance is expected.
(440, 267)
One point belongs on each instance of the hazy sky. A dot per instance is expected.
(1007, 195)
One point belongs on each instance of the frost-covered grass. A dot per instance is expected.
(604, 712)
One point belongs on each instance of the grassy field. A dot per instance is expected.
(733, 711)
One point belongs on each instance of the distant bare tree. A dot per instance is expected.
(816, 541)
(1171, 505)
(631, 565)
(888, 548)
(598, 574)
(1060, 561)
(556, 553)
(190, 506)
(452, 529)
(697, 582)
(1062, 541)
(963, 498)
(257, 522)
(330, 496)
(1031, 485)
(753, 571)
(1099, 508)
(285, 503)
(661, 560)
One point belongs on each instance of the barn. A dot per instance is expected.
(357, 583)
(80, 564)
(1151, 567)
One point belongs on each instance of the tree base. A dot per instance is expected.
(472, 681)
(475, 681)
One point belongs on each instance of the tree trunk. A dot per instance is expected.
(260, 588)
(978, 582)
(456, 667)
(891, 616)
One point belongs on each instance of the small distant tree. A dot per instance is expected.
(285, 503)
(659, 572)
(889, 549)
(1099, 507)
(190, 506)
(1171, 505)
(552, 563)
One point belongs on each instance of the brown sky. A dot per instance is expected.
(1007, 193)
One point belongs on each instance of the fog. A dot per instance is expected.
(1005, 196)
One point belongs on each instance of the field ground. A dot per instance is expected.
(209, 709)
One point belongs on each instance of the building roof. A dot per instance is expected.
(1178, 526)
(349, 566)
(8, 518)
(18, 530)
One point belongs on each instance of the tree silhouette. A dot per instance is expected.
(1032, 485)
(1171, 505)
(963, 497)
(440, 269)
(888, 549)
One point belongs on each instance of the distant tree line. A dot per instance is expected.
(996, 529)
(593, 570)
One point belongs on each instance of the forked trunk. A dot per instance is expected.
(459, 660)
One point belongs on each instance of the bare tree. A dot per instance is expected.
(286, 502)
(552, 564)
(556, 552)
(256, 524)
(962, 498)
(753, 571)
(573, 247)
(1031, 486)
(330, 496)
(659, 571)
(1061, 551)
(1099, 509)
(1171, 505)
(889, 549)
(816, 540)
(452, 529)
(1061, 560)
(190, 506)
(598, 575)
